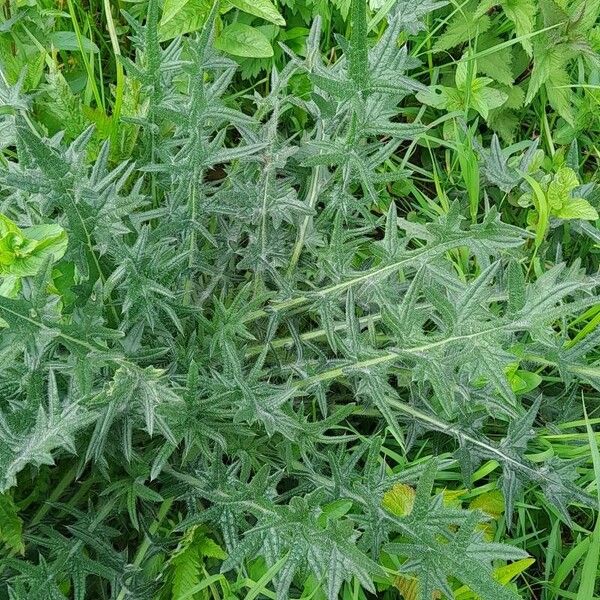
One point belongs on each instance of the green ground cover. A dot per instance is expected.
(299, 299)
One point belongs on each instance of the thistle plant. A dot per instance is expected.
(212, 343)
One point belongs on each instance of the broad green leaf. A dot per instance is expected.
(560, 95)
(67, 40)
(487, 98)
(182, 16)
(243, 40)
(10, 286)
(497, 65)
(584, 15)
(264, 9)
(7, 226)
(441, 96)
(577, 208)
(481, 97)
(522, 381)
(23, 252)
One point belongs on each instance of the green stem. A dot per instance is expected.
(114, 40)
(147, 543)
(86, 63)
(187, 294)
(364, 277)
(311, 201)
(57, 492)
(390, 356)
(546, 125)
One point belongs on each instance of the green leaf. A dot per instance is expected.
(522, 14)
(584, 15)
(480, 97)
(559, 190)
(577, 208)
(497, 65)
(441, 97)
(485, 98)
(243, 40)
(522, 381)
(410, 13)
(541, 206)
(560, 95)
(11, 525)
(358, 57)
(182, 16)
(589, 572)
(260, 8)
(463, 26)
(516, 287)
(68, 40)
(23, 252)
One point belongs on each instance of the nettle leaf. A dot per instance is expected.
(560, 199)
(497, 65)
(466, 24)
(522, 14)
(474, 92)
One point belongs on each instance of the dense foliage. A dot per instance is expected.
(300, 301)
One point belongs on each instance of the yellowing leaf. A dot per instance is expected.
(409, 588)
(491, 503)
(400, 499)
(504, 575)
(453, 497)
